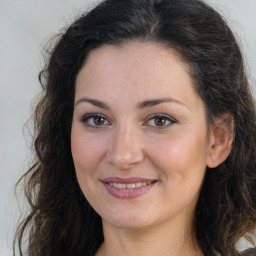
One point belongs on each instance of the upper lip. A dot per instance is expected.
(126, 180)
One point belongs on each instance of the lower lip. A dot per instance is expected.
(126, 192)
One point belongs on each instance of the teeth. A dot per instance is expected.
(130, 185)
(137, 185)
(121, 185)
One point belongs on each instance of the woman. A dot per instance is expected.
(145, 136)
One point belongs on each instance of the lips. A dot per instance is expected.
(128, 187)
(127, 180)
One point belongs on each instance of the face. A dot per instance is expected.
(139, 135)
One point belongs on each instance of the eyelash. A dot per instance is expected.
(86, 118)
(165, 117)
(91, 117)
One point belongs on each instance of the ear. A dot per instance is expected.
(220, 141)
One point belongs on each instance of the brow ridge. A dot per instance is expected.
(154, 102)
(94, 102)
(140, 105)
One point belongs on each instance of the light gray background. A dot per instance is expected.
(25, 26)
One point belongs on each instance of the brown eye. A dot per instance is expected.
(160, 121)
(98, 120)
(94, 120)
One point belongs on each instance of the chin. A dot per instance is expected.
(131, 224)
(128, 221)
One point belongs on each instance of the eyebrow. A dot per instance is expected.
(94, 102)
(140, 105)
(154, 102)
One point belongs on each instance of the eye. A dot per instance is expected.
(160, 121)
(94, 120)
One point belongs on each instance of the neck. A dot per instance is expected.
(161, 240)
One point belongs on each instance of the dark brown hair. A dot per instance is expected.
(61, 221)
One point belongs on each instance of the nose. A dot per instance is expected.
(125, 150)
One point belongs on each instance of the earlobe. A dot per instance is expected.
(220, 141)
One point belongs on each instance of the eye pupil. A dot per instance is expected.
(160, 121)
(98, 120)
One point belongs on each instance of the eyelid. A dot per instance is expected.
(86, 117)
(161, 115)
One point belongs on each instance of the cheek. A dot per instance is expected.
(181, 154)
(82, 155)
(87, 153)
(180, 162)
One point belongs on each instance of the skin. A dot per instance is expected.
(129, 142)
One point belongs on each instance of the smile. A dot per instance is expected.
(130, 185)
(128, 188)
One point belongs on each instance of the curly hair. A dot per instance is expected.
(61, 221)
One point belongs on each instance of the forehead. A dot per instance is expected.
(131, 54)
(137, 70)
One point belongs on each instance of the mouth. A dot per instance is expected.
(128, 187)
